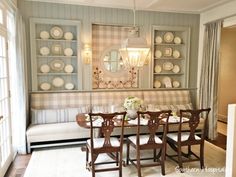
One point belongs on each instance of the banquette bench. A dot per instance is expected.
(53, 115)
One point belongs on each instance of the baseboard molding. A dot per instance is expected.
(222, 118)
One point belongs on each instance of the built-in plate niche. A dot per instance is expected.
(55, 55)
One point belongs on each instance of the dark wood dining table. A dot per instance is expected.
(83, 121)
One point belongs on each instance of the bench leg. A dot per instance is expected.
(28, 148)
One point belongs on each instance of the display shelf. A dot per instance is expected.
(174, 74)
(39, 26)
(56, 56)
(64, 74)
(165, 58)
(168, 44)
(55, 40)
(164, 44)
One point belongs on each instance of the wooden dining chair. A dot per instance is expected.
(149, 141)
(113, 146)
(195, 136)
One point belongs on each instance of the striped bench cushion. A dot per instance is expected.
(45, 116)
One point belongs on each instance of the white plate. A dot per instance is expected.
(68, 68)
(56, 32)
(168, 52)
(57, 82)
(176, 54)
(44, 51)
(158, 54)
(69, 86)
(158, 39)
(158, 69)
(56, 49)
(68, 52)
(68, 36)
(177, 40)
(168, 37)
(176, 69)
(44, 35)
(167, 82)
(157, 84)
(45, 86)
(168, 66)
(176, 84)
(57, 65)
(44, 68)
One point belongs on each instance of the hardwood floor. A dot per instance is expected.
(17, 168)
(220, 141)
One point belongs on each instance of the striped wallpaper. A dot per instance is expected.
(89, 15)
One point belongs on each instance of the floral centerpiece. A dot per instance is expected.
(132, 105)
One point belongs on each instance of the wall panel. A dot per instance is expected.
(89, 15)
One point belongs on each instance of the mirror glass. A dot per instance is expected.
(112, 60)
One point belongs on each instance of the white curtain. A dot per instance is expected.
(209, 75)
(19, 87)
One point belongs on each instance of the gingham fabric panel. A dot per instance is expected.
(177, 97)
(45, 116)
(105, 36)
(151, 107)
(59, 100)
(178, 107)
(113, 98)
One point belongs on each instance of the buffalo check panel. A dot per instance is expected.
(167, 97)
(59, 100)
(111, 98)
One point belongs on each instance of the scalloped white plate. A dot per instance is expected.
(177, 40)
(68, 52)
(57, 65)
(158, 69)
(45, 86)
(44, 68)
(168, 37)
(176, 84)
(44, 51)
(58, 82)
(56, 32)
(69, 86)
(158, 39)
(69, 69)
(68, 36)
(158, 54)
(44, 35)
(176, 54)
(176, 69)
(167, 66)
(157, 84)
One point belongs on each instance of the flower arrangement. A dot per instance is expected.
(132, 103)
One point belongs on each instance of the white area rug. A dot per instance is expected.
(70, 162)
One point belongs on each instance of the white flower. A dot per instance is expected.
(132, 103)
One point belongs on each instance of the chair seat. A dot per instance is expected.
(98, 142)
(144, 139)
(184, 136)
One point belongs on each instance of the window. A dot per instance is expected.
(6, 34)
(5, 138)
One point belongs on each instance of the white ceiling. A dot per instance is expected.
(183, 6)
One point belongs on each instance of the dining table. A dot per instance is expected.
(83, 121)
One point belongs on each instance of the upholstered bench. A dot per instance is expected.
(53, 115)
